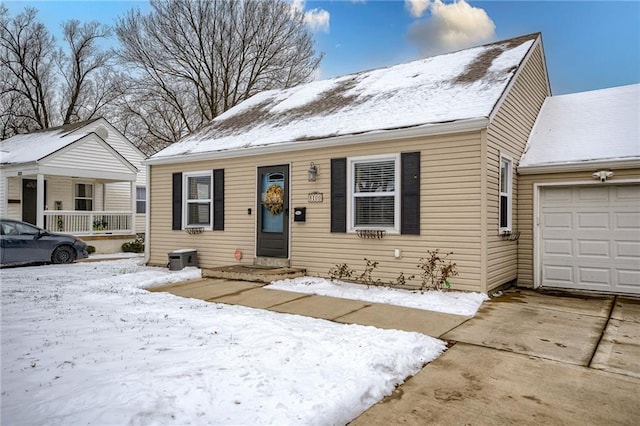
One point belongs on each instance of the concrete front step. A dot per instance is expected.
(255, 273)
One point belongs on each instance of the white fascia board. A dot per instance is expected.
(33, 169)
(460, 126)
(84, 173)
(629, 163)
(18, 169)
(521, 66)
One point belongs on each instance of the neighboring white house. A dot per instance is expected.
(84, 179)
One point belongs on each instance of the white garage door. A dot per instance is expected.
(590, 237)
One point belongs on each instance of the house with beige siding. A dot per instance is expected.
(579, 194)
(383, 164)
(84, 179)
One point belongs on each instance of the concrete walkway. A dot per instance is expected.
(525, 358)
(346, 311)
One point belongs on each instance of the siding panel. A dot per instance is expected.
(449, 201)
(508, 134)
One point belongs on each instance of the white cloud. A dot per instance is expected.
(316, 19)
(450, 27)
(416, 7)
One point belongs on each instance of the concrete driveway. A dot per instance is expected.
(525, 358)
(529, 358)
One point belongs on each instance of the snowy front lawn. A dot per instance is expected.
(450, 302)
(85, 344)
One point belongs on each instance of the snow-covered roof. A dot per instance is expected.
(35, 146)
(587, 127)
(458, 86)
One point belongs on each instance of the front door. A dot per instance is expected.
(273, 211)
(30, 200)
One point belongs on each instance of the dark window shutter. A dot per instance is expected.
(218, 199)
(177, 202)
(410, 193)
(338, 195)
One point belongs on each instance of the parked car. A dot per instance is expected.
(24, 243)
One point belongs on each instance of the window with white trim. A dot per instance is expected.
(198, 200)
(141, 199)
(505, 205)
(83, 196)
(374, 193)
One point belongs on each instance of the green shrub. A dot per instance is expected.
(135, 246)
(91, 249)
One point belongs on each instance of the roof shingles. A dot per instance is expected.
(455, 86)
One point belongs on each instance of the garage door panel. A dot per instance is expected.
(558, 247)
(627, 220)
(628, 279)
(590, 238)
(594, 248)
(627, 249)
(558, 195)
(558, 220)
(626, 193)
(592, 195)
(588, 276)
(558, 273)
(593, 220)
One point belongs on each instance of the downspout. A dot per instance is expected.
(483, 212)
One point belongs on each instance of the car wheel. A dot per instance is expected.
(63, 254)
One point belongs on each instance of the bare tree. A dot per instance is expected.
(26, 58)
(84, 70)
(43, 86)
(192, 60)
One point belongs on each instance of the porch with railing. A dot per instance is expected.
(89, 222)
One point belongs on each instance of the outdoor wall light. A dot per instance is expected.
(602, 175)
(313, 172)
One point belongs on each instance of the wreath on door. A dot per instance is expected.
(274, 199)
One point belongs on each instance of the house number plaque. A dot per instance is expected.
(315, 197)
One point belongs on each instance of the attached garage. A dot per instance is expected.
(579, 194)
(590, 237)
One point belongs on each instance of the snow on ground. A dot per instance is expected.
(121, 255)
(450, 302)
(86, 344)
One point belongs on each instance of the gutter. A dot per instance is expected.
(460, 126)
(587, 165)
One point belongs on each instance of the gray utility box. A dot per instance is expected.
(178, 259)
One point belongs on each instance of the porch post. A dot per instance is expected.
(4, 195)
(133, 206)
(40, 201)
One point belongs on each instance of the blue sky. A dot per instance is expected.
(588, 44)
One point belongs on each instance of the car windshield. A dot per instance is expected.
(14, 228)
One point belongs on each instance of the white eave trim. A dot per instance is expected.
(460, 126)
(631, 163)
(34, 168)
(503, 97)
